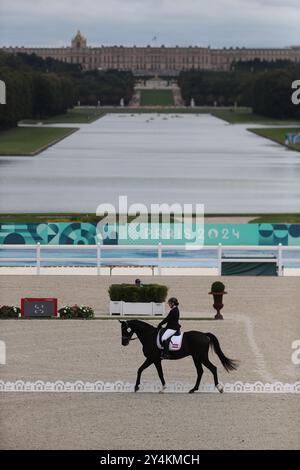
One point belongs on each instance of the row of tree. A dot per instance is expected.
(265, 87)
(38, 88)
(107, 87)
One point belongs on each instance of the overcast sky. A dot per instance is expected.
(184, 22)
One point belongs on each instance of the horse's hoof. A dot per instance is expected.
(192, 391)
(136, 389)
(163, 389)
(220, 388)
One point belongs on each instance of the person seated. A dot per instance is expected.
(172, 326)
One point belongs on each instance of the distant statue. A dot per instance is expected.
(192, 103)
(2, 92)
(122, 102)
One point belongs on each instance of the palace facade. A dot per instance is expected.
(156, 60)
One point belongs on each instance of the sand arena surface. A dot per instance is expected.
(254, 331)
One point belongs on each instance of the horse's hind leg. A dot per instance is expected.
(199, 368)
(214, 372)
(144, 366)
(160, 374)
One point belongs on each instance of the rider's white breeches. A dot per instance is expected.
(167, 334)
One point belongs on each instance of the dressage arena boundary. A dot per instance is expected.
(120, 387)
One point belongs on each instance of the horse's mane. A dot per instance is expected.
(141, 324)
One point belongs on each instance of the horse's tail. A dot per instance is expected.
(229, 364)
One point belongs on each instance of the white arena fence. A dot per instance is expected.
(276, 254)
(121, 386)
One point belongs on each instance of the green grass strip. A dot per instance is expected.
(30, 140)
(157, 98)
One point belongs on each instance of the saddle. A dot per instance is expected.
(174, 342)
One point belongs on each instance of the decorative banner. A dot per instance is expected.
(120, 386)
(149, 234)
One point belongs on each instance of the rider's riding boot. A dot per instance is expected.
(165, 351)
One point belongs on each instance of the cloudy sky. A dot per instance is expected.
(183, 22)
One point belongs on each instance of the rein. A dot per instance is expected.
(129, 339)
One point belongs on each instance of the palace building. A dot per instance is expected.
(161, 60)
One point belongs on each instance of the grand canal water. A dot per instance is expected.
(155, 158)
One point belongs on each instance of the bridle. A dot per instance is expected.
(128, 338)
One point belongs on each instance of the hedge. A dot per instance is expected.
(145, 293)
(76, 311)
(9, 311)
(217, 287)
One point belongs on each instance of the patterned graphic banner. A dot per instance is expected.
(86, 234)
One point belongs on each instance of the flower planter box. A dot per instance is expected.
(136, 308)
(116, 307)
(158, 308)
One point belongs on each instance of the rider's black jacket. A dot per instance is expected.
(171, 319)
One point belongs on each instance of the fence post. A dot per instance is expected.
(280, 267)
(98, 259)
(159, 258)
(38, 258)
(220, 259)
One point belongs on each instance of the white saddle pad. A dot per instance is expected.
(175, 343)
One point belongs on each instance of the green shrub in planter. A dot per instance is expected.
(76, 311)
(131, 293)
(217, 287)
(9, 311)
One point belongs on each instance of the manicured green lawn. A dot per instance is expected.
(30, 140)
(76, 116)
(244, 117)
(39, 218)
(93, 218)
(276, 219)
(277, 134)
(162, 98)
(157, 98)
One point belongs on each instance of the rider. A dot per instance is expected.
(172, 325)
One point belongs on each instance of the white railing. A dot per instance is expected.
(153, 262)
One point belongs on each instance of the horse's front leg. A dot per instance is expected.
(144, 366)
(160, 374)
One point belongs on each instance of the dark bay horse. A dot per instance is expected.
(194, 343)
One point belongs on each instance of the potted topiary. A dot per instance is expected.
(130, 299)
(218, 290)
